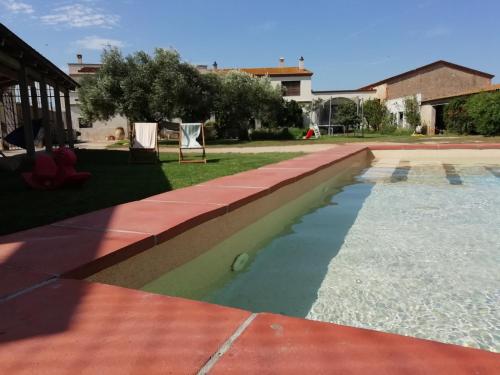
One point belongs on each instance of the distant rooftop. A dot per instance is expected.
(280, 71)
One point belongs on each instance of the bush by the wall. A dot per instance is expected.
(412, 111)
(484, 110)
(210, 129)
(456, 118)
(374, 112)
(388, 126)
(265, 134)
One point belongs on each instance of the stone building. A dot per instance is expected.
(440, 79)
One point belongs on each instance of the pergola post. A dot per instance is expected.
(34, 100)
(25, 105)
(59, 120)
(69, 124)
(47, 127)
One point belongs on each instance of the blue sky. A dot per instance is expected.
(347, 44)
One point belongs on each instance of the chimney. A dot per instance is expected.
(214, 65)
(282, 62)
(301, 62)
(79, 59)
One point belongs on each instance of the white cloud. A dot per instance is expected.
(80, 15)
(98, 43)
(14, 6)
(437, 31)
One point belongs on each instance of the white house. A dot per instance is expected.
(296, 80)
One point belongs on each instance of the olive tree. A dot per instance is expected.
(243, 97)
(142, 87)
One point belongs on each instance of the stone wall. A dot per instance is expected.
(436, 82)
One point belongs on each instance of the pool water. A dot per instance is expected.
(411, 247)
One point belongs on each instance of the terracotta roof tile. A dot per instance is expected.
(89, 69)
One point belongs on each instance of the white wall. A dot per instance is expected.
(395, 106)
(305, 87)
(100, 130)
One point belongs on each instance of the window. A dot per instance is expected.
(83, 124)
(292, 88)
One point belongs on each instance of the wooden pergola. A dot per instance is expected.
(21, 65)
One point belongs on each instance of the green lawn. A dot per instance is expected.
(113, 181)
(337, 139)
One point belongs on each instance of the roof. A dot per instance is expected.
(282, 71)
(429, 67)
(15, 47)
(89, 69)
(495, 87)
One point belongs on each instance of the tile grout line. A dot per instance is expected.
(29, 289)
(226, 346)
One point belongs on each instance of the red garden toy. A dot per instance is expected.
(53, 172)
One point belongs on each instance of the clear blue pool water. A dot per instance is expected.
(410, 248)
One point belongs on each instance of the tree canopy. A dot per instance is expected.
(162, 87)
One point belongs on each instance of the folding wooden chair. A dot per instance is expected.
(144, 143)
(188, 140)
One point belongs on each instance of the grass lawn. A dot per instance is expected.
(370, 137)
(113, 181)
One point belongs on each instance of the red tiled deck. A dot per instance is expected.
(75, 327)
(275, 344)
(49, 325)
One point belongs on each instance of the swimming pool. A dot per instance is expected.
(409, 245)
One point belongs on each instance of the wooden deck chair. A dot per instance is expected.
(188, 140)
(144, 143)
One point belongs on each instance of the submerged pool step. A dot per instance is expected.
(401, 172)
(494, 171)
(452, 175)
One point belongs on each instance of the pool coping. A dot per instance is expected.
(37, 259)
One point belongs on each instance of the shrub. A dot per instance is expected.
(388, 125)
(374, 111)
(484, 111)
(265, 134)
(211, 132)
(412, 111)
(456, 118)
(347, 114)
(290, 115)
